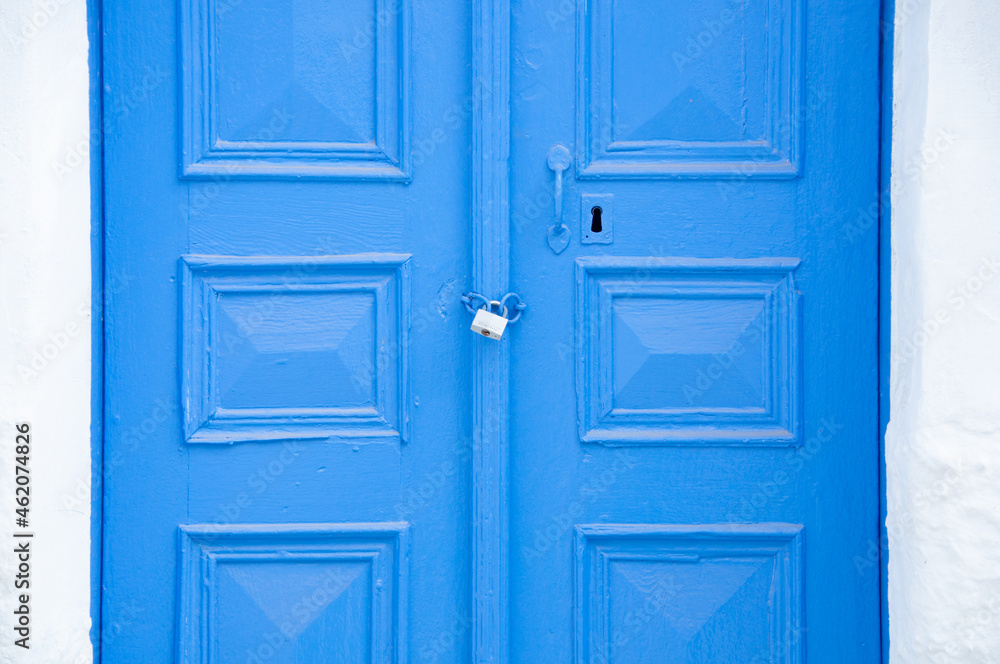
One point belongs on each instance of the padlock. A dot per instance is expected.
(488, 324)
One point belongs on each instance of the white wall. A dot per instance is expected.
(943, 443)
(45, 339)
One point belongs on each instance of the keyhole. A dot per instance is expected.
(595, 219)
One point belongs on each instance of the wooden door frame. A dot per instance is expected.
(491, 362)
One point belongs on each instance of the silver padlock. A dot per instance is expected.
(488, 324)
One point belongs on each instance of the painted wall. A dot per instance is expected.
(943, 443)
(45, 340)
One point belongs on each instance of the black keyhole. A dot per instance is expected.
(595, 219)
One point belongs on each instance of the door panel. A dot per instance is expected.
(694, 450)
(287, 385)
(692, 89)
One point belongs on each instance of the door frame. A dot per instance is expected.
(95, 65)
(491, 245)
(887, 34)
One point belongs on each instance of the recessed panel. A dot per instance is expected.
(664, 593)
(666, 346)
(278, 348)
(290, 594)
(686, 71)
(689, 89)
(300, 349)
(294, 88)
(274, 61)
(676, 352)
(293, 608)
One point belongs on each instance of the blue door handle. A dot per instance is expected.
(558, 233)
(559, 161)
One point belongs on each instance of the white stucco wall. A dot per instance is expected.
(943, 443)
(45, 340)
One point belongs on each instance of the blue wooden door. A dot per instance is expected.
(694, 442)
(287, 411)
(309, 458)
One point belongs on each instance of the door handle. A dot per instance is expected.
(559, 160)
(558, 234)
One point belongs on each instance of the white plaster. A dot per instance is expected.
(45, 340)
(943, 442)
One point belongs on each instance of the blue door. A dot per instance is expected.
(694, 442)
(288, 378)
(671, 456)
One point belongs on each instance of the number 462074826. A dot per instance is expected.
(22, 491)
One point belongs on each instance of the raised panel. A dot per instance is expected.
(703, 89)
(292, 593)
(688, 351)
(305, 347)
(701, 593)
(295, 88)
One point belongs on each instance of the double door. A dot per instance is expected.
(672, 454)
